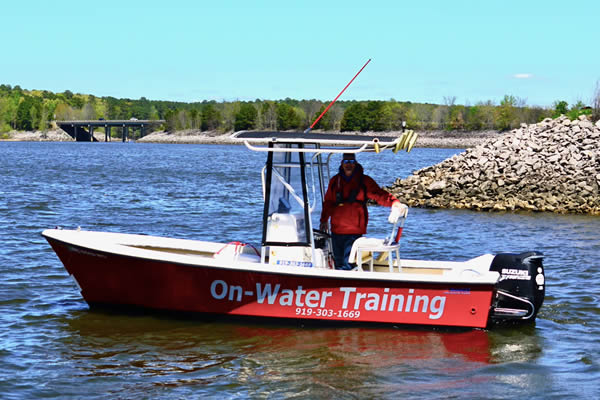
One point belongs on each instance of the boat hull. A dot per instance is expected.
(122, 280)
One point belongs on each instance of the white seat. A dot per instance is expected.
(372, 245)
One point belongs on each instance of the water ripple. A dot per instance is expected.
(51, 345)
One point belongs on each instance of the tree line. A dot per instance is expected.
(35, 110)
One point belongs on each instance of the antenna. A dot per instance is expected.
(338, 96)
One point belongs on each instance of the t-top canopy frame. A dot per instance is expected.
(326, 142)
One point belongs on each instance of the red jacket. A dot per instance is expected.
(351, 218)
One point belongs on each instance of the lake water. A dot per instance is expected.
(52, 346)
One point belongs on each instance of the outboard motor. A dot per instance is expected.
(520, 289)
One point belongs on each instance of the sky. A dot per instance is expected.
(225, 50)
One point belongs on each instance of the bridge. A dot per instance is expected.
(83, 130)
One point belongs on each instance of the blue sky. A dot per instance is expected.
(421, 51)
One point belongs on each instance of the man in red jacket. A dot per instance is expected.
(346, 204)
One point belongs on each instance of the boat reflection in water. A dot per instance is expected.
(182, 352)
(377, 348)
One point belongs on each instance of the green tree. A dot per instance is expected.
(47, 113)
(449, 101)
(457, 118)
(33, 109)
(4, 125)
(246, 117)
(438, 117)
(193, 115)
(287, 117)
(170, 119)
(211, 118)
(578, 109)
(560, 108)
(424, 115)
(397, 115)
(488, 111)
(36, 113)
(182, 121)
(112, 108)
(355, 118)
(8, 113)
(141, 108)
(48, 95)
(376, 116)
(412, 119)
(506, 113)
(536, 114)
(474, 118)
(269, 115)
(23, 121)
(154, 113)
(5, 90)
(301, 118)
(77, 101)
(228, 112)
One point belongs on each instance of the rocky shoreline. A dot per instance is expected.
(551, 166)
(36, 136)
(438, 139)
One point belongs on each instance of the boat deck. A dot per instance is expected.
(379, 265)
(221, 255)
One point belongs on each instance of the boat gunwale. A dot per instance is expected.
(247, 266)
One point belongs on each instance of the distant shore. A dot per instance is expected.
(438, 139)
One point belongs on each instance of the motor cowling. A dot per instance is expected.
(520, 290)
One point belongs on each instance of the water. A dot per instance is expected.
(52, 346)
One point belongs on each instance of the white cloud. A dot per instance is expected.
(523, 76)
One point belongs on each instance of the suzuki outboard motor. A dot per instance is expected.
(521, 288)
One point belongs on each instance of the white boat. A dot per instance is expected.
(291, 275)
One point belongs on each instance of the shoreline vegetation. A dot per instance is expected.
(431, 139)
(517, 157)
(25, 110)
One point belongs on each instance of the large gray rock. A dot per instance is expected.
(550, 166)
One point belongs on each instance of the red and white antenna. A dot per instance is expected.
(338, 96)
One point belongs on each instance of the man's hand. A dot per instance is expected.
(398, 210)
(323, 227)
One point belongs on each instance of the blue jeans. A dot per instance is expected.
(342, 244)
